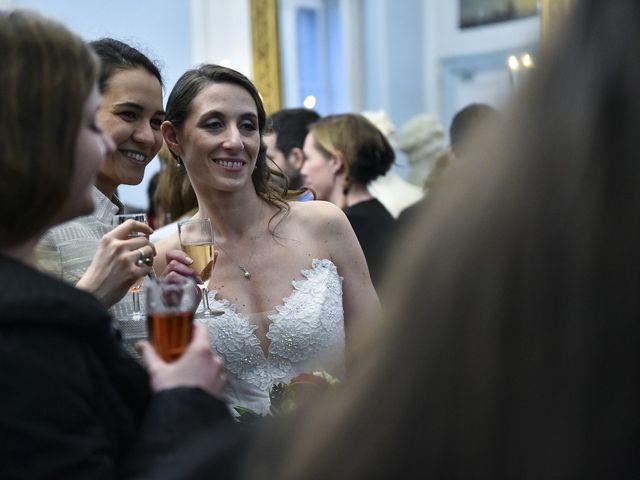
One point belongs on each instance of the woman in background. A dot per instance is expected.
(510, 346)
(74, 404)
(343, 154)
(87, 251)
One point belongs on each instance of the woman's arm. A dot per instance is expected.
(361, 304)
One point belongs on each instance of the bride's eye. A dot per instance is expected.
(249, 126)
(128, 115)
(213, 124)
(156, 123)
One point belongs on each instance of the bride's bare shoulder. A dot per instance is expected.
(318, 214)
(313, 209)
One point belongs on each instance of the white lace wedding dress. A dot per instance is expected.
(306, 334)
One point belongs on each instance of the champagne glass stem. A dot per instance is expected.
(135, 300)
(135, 297)
(206, 310)
(205, 302)
(152, 274)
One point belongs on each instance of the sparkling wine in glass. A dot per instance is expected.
(135, 288)
(196, 240)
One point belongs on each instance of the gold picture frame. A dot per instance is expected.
(266, 52)
(477, 13)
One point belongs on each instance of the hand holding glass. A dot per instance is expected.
(170, 306)
(196, 240)
(135, 288)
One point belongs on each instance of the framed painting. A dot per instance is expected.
(474, 13)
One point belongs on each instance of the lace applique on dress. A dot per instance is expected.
(307, 327)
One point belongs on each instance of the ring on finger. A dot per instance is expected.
(141, 260)
(148, 261)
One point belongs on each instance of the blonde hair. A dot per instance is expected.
(46, 76)
(365, 151)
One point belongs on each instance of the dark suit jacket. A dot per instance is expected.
(73, 404)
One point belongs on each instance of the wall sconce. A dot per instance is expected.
(519, 67)
(309, 102)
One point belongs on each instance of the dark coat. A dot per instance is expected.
(73, 404)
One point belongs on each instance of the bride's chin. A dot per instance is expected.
(228, 185)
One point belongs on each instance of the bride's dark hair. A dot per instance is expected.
(190, 84)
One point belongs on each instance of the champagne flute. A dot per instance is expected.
(196, 240)
(135, 288)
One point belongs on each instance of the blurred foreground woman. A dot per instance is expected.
(74, 404)
(511, 347)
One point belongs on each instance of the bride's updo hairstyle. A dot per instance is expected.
(46, 75)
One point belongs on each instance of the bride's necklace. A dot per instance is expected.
(245, 273)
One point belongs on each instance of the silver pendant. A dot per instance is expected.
(245, 272)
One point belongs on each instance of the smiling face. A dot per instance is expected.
(131, 114)
(220, 140)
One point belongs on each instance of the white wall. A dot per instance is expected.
(159, 28)
(445, 41)
(408, 50)
(221, 33)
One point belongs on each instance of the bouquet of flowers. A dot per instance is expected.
(285, 397)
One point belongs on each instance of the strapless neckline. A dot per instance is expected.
(279, 310)
(225, 304)
(306, 326)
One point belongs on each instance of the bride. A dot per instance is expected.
(289, 275)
